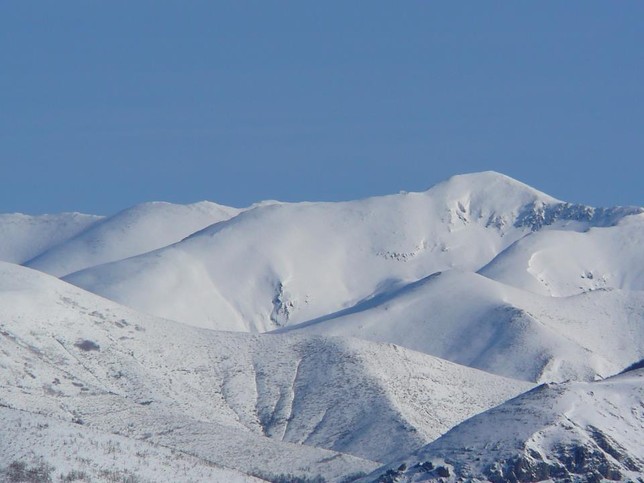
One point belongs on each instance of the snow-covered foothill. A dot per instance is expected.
(472, 320)
(576, 431)
(291, 400)
(39, 448)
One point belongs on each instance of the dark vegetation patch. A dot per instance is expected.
(87, 345)
(39, 472)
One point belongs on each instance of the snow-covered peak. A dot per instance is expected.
(488, 188)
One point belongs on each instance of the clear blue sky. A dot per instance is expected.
(104, 104)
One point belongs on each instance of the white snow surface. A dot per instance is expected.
(472, 320)
(282, 264)
(131, 232)
(564, 263)
(576, 429)
(325, 339)
(23, 237)
(65, 451)
(293, 401)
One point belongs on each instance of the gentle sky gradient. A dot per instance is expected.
(105, 104)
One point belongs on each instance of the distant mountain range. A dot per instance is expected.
(477, 331)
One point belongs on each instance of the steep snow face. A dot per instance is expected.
(564, 263)
(294, 401)
(25, 236)
(471, 320)
(282, 264)
(568, 432)
(136, 230)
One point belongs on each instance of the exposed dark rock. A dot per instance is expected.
(537, 215)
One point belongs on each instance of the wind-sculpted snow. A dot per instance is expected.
(131, 232)
(292, 401)
(561, 432)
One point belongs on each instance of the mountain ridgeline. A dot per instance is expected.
(478, 331)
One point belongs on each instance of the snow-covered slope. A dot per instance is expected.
(39, 448)
(563, 263)
(298, 404)
(472, 320)
(282, 264)
(136, 230)
(560, 432)
(23, 237)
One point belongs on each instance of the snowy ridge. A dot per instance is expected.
(25, 236)
(131, 232)
(539, 214)
(307, 260)
(561, 432)
(564, 263)
(469, 319)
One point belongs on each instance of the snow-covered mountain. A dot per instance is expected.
(294, 401)
(283, 264)
(318, 341)
(564, 263)
(556, 432)
(131, 232)
(25, 236)
(472, 320)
